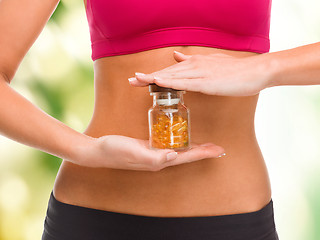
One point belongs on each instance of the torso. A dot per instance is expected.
(235, 183)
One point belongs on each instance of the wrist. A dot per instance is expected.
(81, 150)
(270, 68)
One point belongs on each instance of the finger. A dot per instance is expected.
(183, 66)
(152, 156)
(224, 55)
(179, 57)
(145, 79)
(188, 84)
(157, 159)
(176, 66)
(197, 153)
(151, 78)
(149, 163)
(187, 73)
(137, 83)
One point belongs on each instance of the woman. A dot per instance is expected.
(110, 184)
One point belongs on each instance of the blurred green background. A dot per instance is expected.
(57, 76)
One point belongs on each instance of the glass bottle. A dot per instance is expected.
(169, 119)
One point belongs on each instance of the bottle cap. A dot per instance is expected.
(155, 88)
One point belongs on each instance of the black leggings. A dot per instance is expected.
(70, 222)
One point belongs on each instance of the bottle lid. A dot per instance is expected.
(155, 88)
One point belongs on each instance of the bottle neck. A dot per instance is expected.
(165, 99)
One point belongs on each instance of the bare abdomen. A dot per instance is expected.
(235, 183)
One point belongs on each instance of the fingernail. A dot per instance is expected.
(171, 156)
(139, 74)
(132, 79)
(178, 52)
(223, 154)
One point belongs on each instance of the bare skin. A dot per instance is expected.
(235, 183)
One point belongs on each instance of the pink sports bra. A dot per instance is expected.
(127, 26)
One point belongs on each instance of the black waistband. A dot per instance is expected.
(72, 220)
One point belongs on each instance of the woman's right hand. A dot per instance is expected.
(121, 152)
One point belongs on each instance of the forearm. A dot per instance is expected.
(296, 66)
(25, 123)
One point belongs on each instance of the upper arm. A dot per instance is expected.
(21, 22)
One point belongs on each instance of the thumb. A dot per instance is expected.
(179, 57)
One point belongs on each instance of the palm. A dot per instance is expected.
(137, 151)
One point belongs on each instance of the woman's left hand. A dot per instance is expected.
(213, 74)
